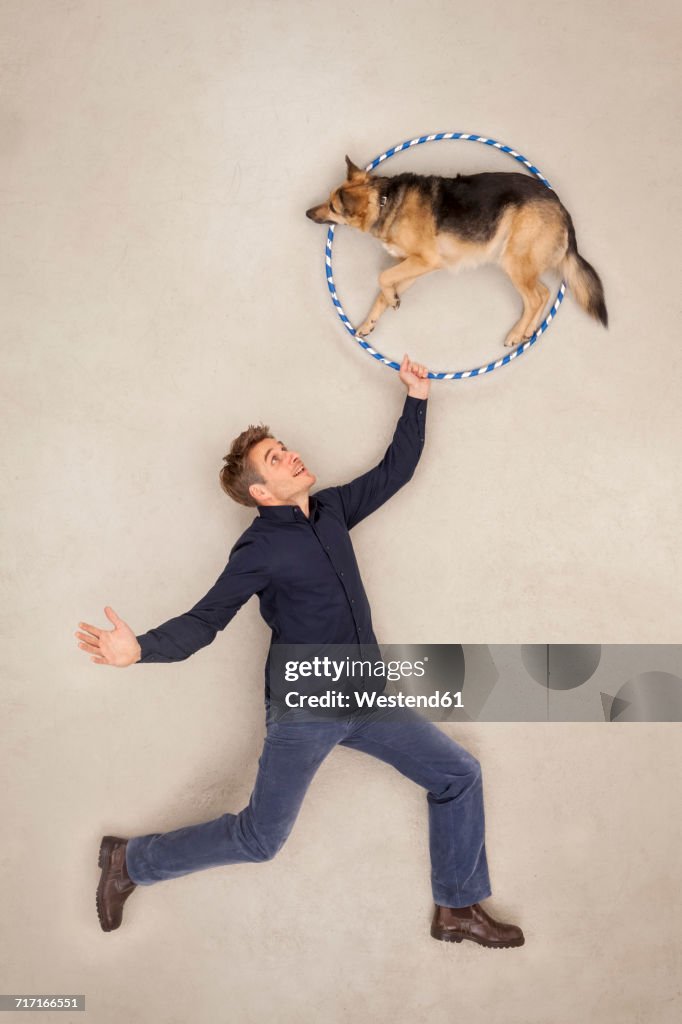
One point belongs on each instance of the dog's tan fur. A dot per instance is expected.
(530, 239)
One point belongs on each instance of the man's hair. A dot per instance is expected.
(238, 473)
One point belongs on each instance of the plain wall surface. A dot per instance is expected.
(162, 288)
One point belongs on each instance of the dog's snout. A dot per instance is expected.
(311, 212)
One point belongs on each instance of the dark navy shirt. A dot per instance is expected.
(303, 569)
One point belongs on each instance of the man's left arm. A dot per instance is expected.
(368, 492)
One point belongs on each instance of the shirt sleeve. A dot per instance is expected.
(246, 573)
(368, 492)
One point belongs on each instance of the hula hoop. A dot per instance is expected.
(435, 374)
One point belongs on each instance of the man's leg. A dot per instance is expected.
(291, 755)
(452, 778)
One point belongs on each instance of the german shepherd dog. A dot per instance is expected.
(431, 222)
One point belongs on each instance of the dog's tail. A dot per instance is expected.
(583, 280)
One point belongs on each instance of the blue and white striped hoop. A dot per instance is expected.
(453, 374)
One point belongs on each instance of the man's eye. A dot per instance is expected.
(275, 458)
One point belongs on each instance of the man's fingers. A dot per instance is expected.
(112, 616)
(99, 661)
(94, 630)
(418, 369)
(90, 648)
(88, 638)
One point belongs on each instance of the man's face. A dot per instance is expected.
(285, 477)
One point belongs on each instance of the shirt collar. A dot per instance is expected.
(286, 513)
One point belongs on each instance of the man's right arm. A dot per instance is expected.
(246, 573)
(368, 492)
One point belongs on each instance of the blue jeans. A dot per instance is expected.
(292, 753)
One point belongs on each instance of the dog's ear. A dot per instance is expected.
(353, 172)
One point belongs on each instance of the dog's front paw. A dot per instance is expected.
(366, 328)
(391, 298)
(513, 339)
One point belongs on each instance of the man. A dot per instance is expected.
(298, 557)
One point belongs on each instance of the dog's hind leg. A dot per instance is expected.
(527, 287)
(394, 282)
(536, 244)
(521, 264)
(542, 294)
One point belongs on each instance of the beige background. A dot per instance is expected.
(161, 289)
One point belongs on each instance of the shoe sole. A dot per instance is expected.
(444, 936)
(103, 861)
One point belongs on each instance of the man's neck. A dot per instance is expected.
(304, 505)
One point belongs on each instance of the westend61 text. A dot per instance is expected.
(360, 699)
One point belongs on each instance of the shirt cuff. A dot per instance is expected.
(414, 417)
(414, 401)
(415, 409)
(147, 654)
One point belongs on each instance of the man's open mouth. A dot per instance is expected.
(301, 469)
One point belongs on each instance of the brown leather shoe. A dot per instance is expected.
(115, 885)
(452, 924)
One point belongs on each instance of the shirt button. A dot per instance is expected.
(340, 574)
(352, 600)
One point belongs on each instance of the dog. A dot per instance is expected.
(431, 222)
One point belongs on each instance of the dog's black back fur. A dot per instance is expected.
(469, 205)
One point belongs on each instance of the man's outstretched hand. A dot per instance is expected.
(117, 646)
(415, 378)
